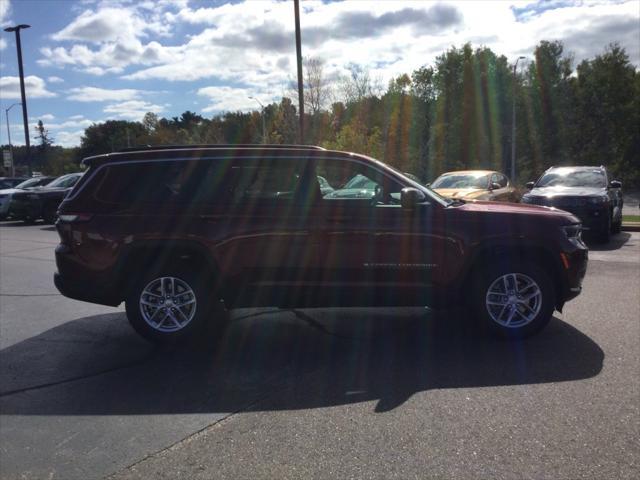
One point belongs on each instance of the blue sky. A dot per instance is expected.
(91, 60)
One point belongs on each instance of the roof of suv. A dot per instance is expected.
(147, 152)
(577, 167)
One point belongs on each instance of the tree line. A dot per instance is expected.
(454, 114)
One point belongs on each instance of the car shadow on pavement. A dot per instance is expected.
(279, 360)
(616, 242)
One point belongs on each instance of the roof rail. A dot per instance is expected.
(224, 145)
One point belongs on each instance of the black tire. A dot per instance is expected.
(209, 317)
(544, 306)
(616, 227)
(50, 213)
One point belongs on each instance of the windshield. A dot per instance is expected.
(64, 181)
(32, 182)
(360, 181)
(573, 178)
(469, 180)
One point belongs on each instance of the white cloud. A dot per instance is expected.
(46, 117)
(248, 48)
(115, 38)
(132, 109)
(67, 138)
(35, 87)
(54, 79)
(230, 99)
(94, 94)
(71, 123)
(5, 10)
(3, 44)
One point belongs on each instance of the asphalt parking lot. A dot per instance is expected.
(330, 393)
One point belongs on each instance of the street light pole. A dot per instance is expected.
(264, 134)
(513, 124)
(296, 7)
(6, 112)
(25, 120)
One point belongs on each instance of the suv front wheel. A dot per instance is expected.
(514, 301)
(171, 306)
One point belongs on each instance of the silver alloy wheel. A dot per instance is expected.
(513, 300)
(167, 304)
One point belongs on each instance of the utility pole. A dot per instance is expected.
(13, 165)
(25, 120)
(264, 130)
(296, 7)
(513, 124)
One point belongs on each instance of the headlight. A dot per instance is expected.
(527, 199)
(599, 200)
(573, 231)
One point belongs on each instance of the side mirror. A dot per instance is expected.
(530, 185)
(615, 184)
(410, 197)
(495, 186)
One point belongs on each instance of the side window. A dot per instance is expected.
(499, 179)
(145, 183)
(343, 179)
(265, 181)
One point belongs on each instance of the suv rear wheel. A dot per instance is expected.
(514, 301)
(172, 306)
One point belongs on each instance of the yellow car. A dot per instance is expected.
(475, 185)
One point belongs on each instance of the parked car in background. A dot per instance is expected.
(10, 182)
(587, 192)
(175, 231)
(28, 184)
(42, 202)
(475, 185)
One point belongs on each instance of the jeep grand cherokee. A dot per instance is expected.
(178, 232)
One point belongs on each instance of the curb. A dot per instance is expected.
(631, 227)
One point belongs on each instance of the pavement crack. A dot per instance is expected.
(28, 258)
(75, 379)
(30, 294)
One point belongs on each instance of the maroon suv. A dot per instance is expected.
(178, 232)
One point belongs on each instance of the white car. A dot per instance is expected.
(6, 194)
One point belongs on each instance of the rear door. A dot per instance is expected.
(264, 245)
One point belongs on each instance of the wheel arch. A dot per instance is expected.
(143, 256)
(509, 253)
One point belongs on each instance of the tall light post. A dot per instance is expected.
(6, 112)
(27, 143)
(513, 124)
(296, 8)
(264, 131)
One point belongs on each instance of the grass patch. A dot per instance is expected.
(631, 218)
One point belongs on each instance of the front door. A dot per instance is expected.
(375, 252)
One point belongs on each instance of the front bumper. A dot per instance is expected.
(24, 209)
(593, 218)
(84, 291)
